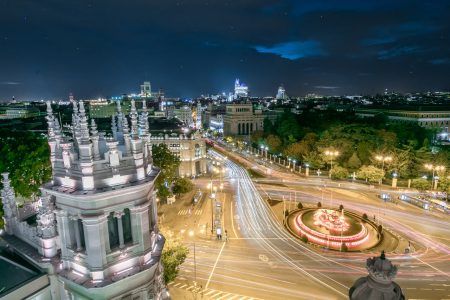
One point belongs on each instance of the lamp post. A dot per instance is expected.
(331, 154)
(434, 169)
(192, 235)
(383, 159)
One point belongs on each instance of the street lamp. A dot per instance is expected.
(192, 235)
(434, 168)
(383, 159)
(331, 154)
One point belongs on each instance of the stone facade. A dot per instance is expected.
(96, 233)
(241, 120)
(190, 149)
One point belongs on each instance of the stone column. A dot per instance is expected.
(95, 240)
(62, 221)
(77, 232)
(118, 215)
(140, 226)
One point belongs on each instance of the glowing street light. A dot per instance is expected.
(434, 169)
(332, 154)
(383, 159)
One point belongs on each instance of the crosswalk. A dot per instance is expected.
(209, 293)
(184, 212)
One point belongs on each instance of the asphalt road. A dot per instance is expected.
(262, 260)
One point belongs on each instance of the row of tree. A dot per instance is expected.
(359, 142)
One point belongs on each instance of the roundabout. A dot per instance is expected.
(334, 229)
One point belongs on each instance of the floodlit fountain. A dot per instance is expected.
(334, 229)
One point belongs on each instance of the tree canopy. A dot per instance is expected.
(26, 156)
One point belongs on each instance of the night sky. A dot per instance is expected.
(49, 49)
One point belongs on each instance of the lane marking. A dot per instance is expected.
(215, 265)
(431, 266)
(232, 222)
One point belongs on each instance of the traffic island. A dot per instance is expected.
(334, 229)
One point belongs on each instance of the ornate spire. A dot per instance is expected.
(8, 197)
(50, 121)
(83, 123)
(134, 121)
(94, 131)
(119, 117)
(143, 120)
(46, 218)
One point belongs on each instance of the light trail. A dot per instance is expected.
(257, 220)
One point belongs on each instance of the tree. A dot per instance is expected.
(339, 172)
(344, 247)
(314, 160)
(341, 207)
(354, 162)
(421, 184)
(173, 255)
(299, 205)
(380, 228)
(364, 217)
(26, 157)
(319, 204)
(444, 185)
(182, 185)
(168, 163)
(304, 239)
(273, 142)
(286, 213)
(370, 173)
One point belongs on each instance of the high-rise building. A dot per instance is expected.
(96, 235)
(240, 89)
(281, 93)
(146, 89)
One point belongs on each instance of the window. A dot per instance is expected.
(126, 223)
(113, 231)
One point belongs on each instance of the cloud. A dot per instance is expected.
(398, 51)
(10, 83)
(440, 61)
(294, 50)
(390, 34)
(326, 87)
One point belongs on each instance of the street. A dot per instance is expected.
(262, 260)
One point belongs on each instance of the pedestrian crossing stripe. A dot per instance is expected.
(209, 293)
(184, 212)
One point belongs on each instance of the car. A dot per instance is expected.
(385, 197)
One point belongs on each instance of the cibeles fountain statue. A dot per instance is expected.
(379, 283)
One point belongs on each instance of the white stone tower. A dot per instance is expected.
(102, 190)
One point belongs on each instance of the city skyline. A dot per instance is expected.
(326, 47)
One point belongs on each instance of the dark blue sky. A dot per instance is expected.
(100, 48)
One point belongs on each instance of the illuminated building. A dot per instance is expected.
(184, 114)
(96, 235)
(281, 93)
(146, 89)
(240, 89)
(191, 149)
(241, 119)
